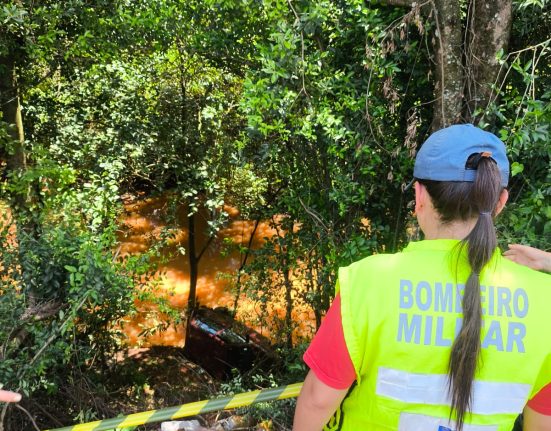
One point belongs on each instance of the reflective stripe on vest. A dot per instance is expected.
(488, 397)
(416, 422)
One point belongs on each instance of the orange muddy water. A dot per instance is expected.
(140, 228)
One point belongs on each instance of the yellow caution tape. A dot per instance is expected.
(191, 409)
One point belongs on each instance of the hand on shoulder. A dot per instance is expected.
(529, 256)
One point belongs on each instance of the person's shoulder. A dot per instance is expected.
(376, 259)
(528, 278)
(525, 271)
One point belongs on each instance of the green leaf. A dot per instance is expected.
(516, 168)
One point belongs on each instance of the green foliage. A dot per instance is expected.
(304, 114)
(279, 412)
(326, 117)
(99, 124)
(64, 296)
(523, 114)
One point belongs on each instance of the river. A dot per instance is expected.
(142, 224)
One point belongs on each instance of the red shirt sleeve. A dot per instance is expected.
(327, 355)
(541, 402)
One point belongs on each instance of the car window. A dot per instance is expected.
(207, 327)
(231, 337)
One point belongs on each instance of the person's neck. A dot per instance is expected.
(454, 230)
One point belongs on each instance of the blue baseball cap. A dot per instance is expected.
(445, 154)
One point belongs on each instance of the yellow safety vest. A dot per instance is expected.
(400, 314)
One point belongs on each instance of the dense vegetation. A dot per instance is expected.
(304, 113)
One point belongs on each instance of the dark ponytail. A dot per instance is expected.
(465, 201)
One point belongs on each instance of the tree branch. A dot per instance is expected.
(29, 415)
(402, 3)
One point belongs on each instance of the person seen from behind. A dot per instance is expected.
(447, 335)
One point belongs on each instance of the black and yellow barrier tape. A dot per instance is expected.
(191, 409)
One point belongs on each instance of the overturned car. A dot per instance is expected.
(219, 344)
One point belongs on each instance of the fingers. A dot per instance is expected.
(512, 253)
(9, 397)
(511, 256)
(519, 247)
(529, 256)
(519, 254)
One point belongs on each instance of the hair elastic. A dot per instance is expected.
(485, 213)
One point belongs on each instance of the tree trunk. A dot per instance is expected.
(193, 265)
(242, 266)
(15, 158)
(466, 68)
(193, 271)
(489, 32)
(288, 306)
(448, 42)
(11, 113)
(288, 291)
